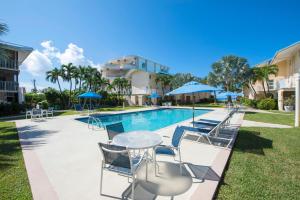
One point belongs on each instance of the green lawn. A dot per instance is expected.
(13, 177)
(73, 112)
(278, 118)
(265, 162)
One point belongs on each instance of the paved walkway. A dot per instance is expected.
(248, 123)
(62, 159)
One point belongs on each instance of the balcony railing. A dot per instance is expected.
(8, 64)
(285, 83)
(9, 86)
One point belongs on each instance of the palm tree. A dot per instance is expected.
(67, 74)
(76, 76)
(121, 86)
(90, 77)
(262, 74)
(164, 80)
(53, 76)
(251, 80)
(82, 72)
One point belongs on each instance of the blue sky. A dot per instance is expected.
(186, 35)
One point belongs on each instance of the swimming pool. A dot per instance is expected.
(148, 120)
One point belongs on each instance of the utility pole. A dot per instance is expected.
(34, 86)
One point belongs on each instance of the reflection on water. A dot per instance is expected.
(149, 120)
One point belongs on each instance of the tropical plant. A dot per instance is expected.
(122, 87)
(164, 80)
(67, 72)
(81, 72)
(262, 74)
(53, 76)
(229, 73)
(179, 79)
(290, 101)
(266, 104)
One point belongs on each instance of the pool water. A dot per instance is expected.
(148, 120)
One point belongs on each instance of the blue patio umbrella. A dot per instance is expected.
(223, 96)
(154, 95)
(192, 88)
(90, 95)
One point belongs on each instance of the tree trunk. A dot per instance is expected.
(80, 85)
(254, 91)
(70, 92)
(263, 84)
(61, 94)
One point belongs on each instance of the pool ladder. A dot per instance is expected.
(94, 122)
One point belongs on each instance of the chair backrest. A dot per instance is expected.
(50, 109)
(115, 155)
(36, 111)
(177, 136)
(114, 129)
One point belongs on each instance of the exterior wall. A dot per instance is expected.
(140, 83)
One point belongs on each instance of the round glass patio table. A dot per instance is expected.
(137, 139)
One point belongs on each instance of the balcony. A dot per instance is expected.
(8, 64)
(9, 86)
(285, 83)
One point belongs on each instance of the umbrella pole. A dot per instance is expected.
(90, 104)
(193, 110)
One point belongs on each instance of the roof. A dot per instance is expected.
(13, 46)
(281, 54)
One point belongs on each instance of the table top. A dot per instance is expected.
(137, 139)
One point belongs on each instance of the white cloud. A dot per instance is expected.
(37, 63)
(73, 54)
(49, 50)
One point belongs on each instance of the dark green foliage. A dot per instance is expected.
(11, 109)
(248, 102)
(266, 104)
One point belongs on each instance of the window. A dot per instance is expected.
(271, 84)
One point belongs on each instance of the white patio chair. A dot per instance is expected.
(36, 113)
(118, 159)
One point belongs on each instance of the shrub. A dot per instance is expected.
(32, 99)
(290, 101)
(248, 102)
(11, 109)
(44, 104)
(266, 104)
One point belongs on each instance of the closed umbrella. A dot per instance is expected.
(192, 88)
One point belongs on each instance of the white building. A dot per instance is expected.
(286, 82)
(9, 71)
(140, 72)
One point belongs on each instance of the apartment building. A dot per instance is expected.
(286, 82)
(141, 72)
(9, 70)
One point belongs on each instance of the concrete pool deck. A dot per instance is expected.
(63, 160)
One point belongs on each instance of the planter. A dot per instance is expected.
(288, 108)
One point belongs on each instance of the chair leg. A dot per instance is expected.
(132, 186)
(180, 162)
(101, 180)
